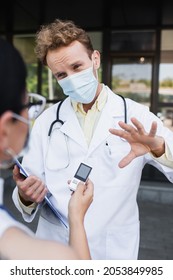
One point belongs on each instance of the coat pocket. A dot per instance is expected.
(122, 242)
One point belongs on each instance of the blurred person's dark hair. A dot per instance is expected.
(12, 78)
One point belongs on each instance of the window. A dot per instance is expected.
(131, 77)
(132, 41)
(166, 78)
(25, 44)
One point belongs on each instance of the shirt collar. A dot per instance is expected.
(98, 104)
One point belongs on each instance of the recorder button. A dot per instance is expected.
(75, 181)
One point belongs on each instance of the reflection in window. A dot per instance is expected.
(131, 77)
(166, 82)
(166, 67)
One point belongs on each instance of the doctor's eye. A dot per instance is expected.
(60, 76)
(78, 67)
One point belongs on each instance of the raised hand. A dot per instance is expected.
(140, 141)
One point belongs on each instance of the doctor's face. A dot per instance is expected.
(68, 60)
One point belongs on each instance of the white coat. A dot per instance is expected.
(112, 221)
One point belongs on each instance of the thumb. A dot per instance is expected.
(17, 176)
(80, 188)
(126, 160)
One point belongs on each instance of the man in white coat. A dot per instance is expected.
(92, 129)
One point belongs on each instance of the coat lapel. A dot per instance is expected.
(111, 114)
(71, 126)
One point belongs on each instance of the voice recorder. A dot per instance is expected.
(81, 175)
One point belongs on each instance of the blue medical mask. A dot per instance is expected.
(81, 86)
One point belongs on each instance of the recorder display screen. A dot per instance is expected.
(83, 172)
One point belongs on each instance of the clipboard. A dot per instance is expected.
(47, 200)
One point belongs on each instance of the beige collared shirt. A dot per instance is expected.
(89, 120)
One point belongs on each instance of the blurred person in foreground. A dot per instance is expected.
(16, 240)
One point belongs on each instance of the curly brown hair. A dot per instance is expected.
(57, 34)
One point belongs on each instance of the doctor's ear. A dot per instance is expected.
(96, 59)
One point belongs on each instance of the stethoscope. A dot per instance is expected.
(61, 122)
(58, 120)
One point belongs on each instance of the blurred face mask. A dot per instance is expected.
(81, 86)
(36, 104)
(5, 164)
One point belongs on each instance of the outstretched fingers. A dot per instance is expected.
(138, 125)
(153, 129)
